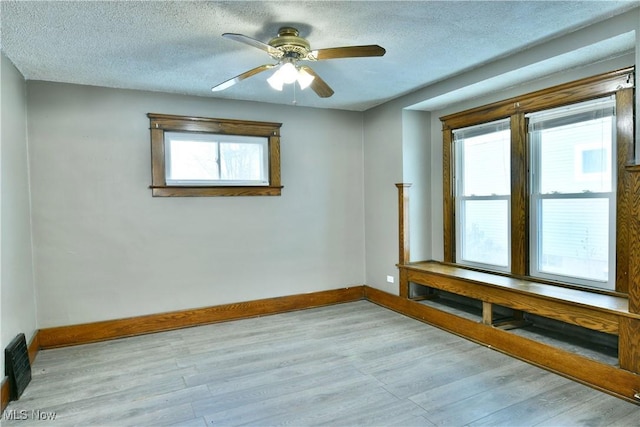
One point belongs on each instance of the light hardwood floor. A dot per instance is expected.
(353, 364)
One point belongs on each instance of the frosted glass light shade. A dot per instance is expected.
(304, 79)
(289, 73)
(275, 81)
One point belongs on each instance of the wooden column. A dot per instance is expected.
(403, 236)
(628, 231)
(633, 239)
(628, 344)
(448, 184)
(403, 218)
(625, 193)
(519, 196)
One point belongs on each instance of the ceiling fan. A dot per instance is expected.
(288, 48)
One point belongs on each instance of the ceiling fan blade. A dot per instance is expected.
(276, 53)
(349, 52)
(319, 86)
(228, 83)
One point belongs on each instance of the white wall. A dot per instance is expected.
(397, 150)
(416, 161)
(105, 249)
(17, 307)
(382, 170)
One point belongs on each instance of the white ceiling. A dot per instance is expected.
(176, 47)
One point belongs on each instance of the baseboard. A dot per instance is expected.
(120, 328)
(610, 379)
(100, 331)
(5, 392)
(34, 347)
(598, 375)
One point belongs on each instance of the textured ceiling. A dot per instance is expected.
(177, 47)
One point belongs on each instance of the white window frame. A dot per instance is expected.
(536, 199)
(176, 137)
(461, 199)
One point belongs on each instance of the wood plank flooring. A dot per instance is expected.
(353, 364)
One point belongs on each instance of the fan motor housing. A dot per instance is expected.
(289, 41)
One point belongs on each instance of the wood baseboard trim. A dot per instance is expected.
(610, 379)
(120, 328)
(34, 347)
(4, 394)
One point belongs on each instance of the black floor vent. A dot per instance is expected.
(17, 366)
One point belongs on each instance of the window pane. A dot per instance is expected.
(199, 159)
(193, 160)
(485, 234)
(242, 162)
(483, 186)
(573, 148)
(594, 161)
(574, 238)
(576, 158)
(485, 164)
(186, 160)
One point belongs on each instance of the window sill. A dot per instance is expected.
(182, 191)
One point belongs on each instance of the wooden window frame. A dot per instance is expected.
(161, 123)
(619, 82)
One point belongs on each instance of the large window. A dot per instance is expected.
(572, 197)
(531, 184)
(194, 156)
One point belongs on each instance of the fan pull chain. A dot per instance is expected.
(295, 101)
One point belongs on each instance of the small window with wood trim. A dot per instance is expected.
(195, 156)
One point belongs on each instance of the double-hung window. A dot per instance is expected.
(483, 194)
(537, 186)
(572, 193)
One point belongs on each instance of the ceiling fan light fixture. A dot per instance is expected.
(289, 72)
(304, 79)
(287, 49)
(276, 81)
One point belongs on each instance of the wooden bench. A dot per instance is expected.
(597, 312)
(590, 310)
(611, 315)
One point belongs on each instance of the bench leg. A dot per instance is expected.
(487, 313)
(403, 283)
